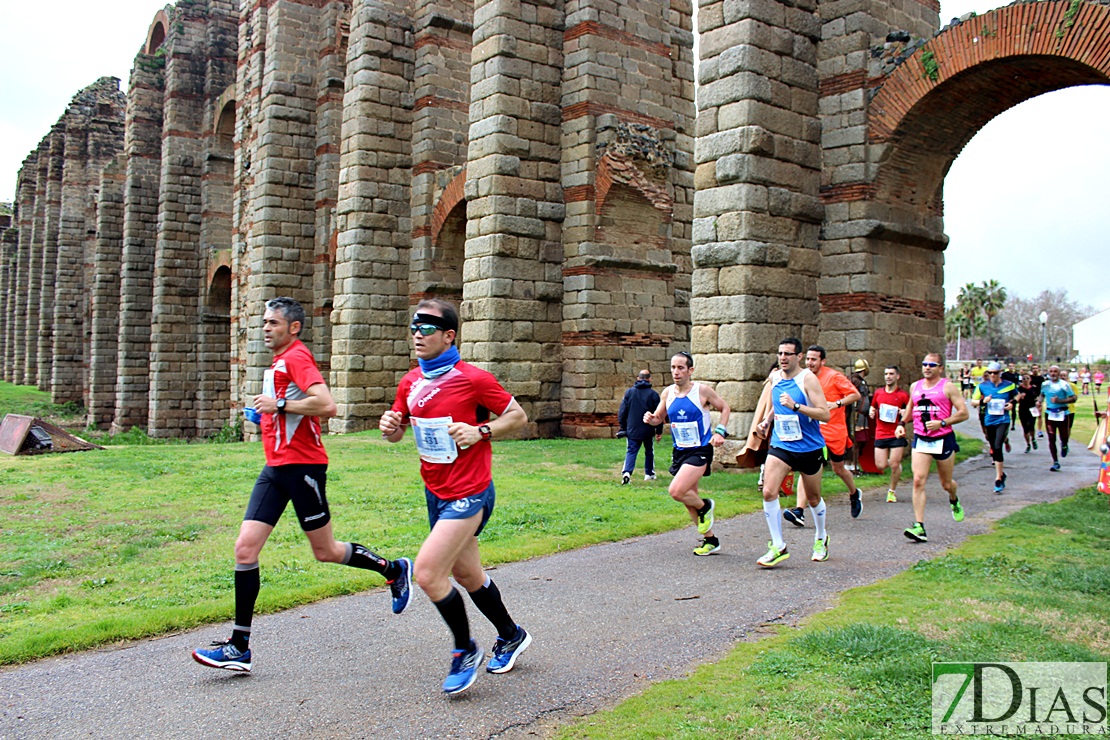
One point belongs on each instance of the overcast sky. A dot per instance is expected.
(1023, 203)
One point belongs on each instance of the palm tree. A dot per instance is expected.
(994, 300)
(969, 306)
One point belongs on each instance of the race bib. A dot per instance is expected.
(432, 440)
(1057, 414)
(888, 413)
(685, 434)
(268, 383)
(996, 406)
(788, 427)
(929, 446)
(1034, 411)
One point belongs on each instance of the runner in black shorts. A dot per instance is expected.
(294, 397)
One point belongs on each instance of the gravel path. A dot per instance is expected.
(607, 621)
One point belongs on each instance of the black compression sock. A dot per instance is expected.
(488, 600)
(453, 610)
(248, 582)
(359, 556)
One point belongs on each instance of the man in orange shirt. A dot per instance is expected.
(840, 394)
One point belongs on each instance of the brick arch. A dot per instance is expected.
(156, 34)
(618, 168)
(452, 195)
(984, 66)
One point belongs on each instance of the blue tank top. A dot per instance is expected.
(794, 431)
(690, 426)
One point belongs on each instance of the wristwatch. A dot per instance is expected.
(281, 405)
(838, 402)
(484, 430)
(943, 422)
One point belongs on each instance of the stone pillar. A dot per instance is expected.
(175, 316)
(756, 212)
(34, 268)
(513, 284)
(881, 286)
(370, 349)
(627, 146)
(142, 146)
(105, 295)
(9, 243)
(52, 220)
(15, 360)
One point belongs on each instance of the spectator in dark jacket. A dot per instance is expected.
(638, 399)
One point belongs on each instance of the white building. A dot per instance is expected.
(1091, 337)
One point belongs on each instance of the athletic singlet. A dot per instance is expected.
(930, 404)
(794, 431)
(690, 424)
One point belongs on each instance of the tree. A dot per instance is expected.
(993, 297)
(1021, 327)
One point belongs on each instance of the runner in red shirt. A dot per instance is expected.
(293, 398)
(448, 404)
(887, 406)
(839, 394)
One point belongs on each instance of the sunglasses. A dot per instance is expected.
(426, 330)
(930, 364)
(785, 354)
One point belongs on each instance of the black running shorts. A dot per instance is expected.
(304, 485)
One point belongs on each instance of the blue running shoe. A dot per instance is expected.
(464, 669)
(505, 652)
(222, 654)
(1055, 467)
(401, 586)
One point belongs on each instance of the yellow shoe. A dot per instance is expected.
(891, 498)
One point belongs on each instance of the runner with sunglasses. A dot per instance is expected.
(688, 405)
(935, 406)
(448, 402)
(995, 399)
(1057, 394)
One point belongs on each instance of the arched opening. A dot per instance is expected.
(219, 292)
(156, 35)
(448, 253)
(225, 126)
(214, 358)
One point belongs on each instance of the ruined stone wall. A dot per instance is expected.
(9, 244)
(23, 208)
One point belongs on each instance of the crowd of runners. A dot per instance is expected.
(456, 410)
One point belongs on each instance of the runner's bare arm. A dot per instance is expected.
(959, 407)
(390, 426)
(761, 426)
(513, 419)
(655, 418)
(713, 398)
(319, 403)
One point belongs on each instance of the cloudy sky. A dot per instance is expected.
(1022, 202)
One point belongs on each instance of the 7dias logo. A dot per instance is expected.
(1019, 699)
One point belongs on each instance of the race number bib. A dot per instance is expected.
(788, 427)
(685, 434)
(432, 440)
(996, 406)
(268, 383)
(929, 446)
(888, 413)
(1034, 411)
(1057, 414)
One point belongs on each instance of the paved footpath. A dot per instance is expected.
(607, 621)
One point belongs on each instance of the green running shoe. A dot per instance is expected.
(821, 550)
(708, 546)
(773, 556)
(917, 533)
(957, 510)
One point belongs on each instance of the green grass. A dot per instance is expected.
(1037, 588)
(135, 540)
(30, 401)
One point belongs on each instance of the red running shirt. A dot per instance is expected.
(899, 399)
(464, 393)
(292, 439)
(835, 430)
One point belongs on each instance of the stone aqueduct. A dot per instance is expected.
(538, 160)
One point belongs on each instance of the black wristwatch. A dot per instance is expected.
(486, 433)
(281, 405)
(943, 423)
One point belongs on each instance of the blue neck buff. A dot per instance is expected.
(437, 366)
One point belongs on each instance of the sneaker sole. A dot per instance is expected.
(473, 678)
(793, 518)
(705, 554)
(408, 599)
(773, 563)
(915, 537)
(512, 661)
(818, 559)
(227, 666)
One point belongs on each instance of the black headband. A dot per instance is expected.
(440, 322)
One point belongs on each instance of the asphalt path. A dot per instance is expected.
(607, 621)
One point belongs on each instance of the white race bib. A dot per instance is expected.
(268, 383)
(1057, 414)
(996, 406)
(685, 434)
(788, 427)
(1034, 411)
(433, 442)
(888, 413)
(929, 446)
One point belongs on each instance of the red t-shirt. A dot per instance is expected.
(464, 393)
(899, 399)
(836, 387)
(292, 439)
